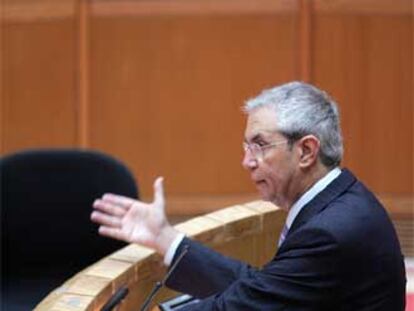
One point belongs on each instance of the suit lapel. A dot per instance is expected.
(322, 199)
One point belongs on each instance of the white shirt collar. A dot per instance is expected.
(310, 194)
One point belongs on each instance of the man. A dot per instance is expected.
(338, 250)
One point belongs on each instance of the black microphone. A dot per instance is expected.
(161, 283)
(115, 299)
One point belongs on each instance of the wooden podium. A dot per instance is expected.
(247, 231)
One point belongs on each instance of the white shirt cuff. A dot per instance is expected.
(169, 255)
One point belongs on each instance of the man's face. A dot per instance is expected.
(274, 173)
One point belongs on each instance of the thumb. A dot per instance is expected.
(159, 191)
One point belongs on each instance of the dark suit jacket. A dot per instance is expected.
(341, 253)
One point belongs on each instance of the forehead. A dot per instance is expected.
(261, 121)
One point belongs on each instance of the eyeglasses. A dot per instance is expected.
(257, 151)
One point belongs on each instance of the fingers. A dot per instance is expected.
(109, 208)
(106, 220)
(159, 191)
(119, 200)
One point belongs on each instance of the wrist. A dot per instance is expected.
(165, 239)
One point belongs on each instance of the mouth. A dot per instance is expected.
(259, 182)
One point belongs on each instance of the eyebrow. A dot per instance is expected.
(256, 137)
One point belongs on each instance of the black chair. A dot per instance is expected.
(46, 232)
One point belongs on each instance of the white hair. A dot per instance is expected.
(302, 109)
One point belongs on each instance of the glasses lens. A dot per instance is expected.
(257, 151)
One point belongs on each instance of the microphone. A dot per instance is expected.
(161, 283)
(115, 299)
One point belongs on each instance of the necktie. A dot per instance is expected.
(283, 235)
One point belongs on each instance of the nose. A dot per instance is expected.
(249, 162)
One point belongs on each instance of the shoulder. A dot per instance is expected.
(359, 225)
(354, 212)
(353, 218)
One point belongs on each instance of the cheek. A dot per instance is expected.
(277, 174)
(267, 171)
(276, 179)
(272, 176)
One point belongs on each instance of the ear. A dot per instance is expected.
(309, 146)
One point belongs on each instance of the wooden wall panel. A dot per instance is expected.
(190, 7)
(365, 7)
(35, 10)
(166, 92)
(160, 84)
(38, 79)
(366, 62)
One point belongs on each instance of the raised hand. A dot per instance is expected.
(134, 221)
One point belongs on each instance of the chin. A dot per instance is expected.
(272, 199)
(266, 196)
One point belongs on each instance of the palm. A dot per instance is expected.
(130, 220)
(141, 223)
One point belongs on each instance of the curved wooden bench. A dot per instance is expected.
(247, 231)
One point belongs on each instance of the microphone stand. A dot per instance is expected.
(120, 294)
(161, 283)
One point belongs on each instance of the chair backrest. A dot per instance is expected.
(46, 202)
